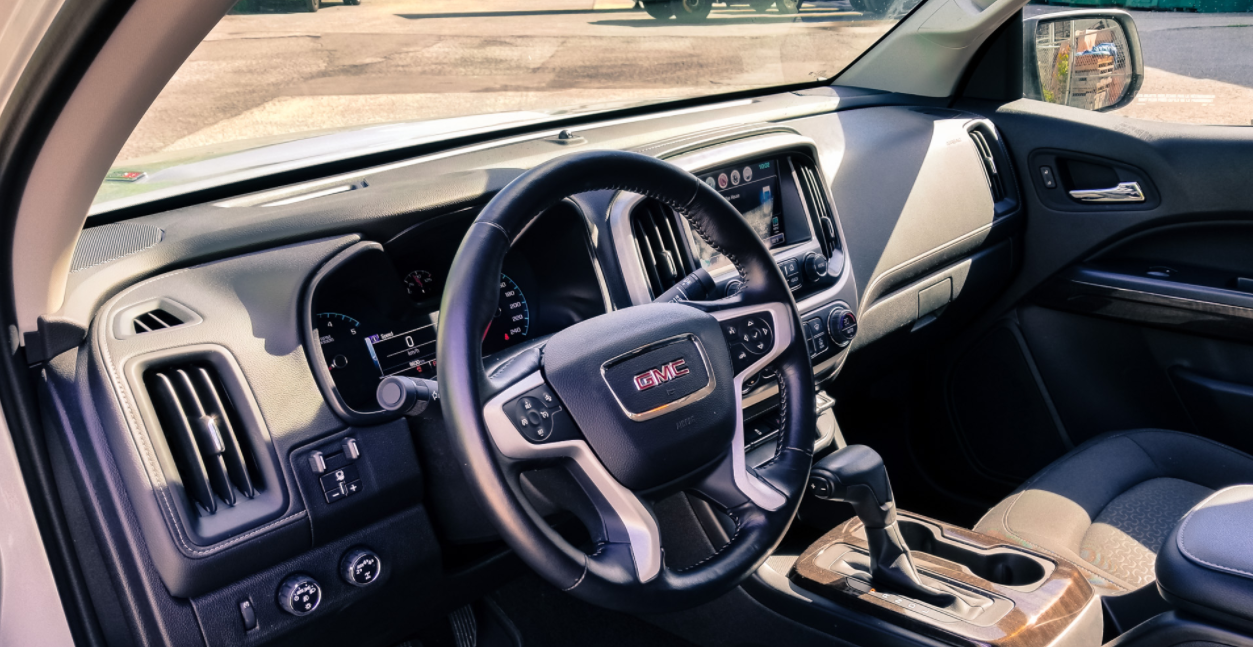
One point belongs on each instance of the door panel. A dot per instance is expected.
(1131, 315)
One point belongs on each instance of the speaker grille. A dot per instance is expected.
(108, 243)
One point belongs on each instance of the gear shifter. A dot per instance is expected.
(857, 476)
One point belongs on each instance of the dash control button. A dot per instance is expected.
(360, 567)
(1046, 176)
(299, 595)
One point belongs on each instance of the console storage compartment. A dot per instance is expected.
(1024, 597)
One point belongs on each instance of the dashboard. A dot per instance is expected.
(374, 310)
(297, 308)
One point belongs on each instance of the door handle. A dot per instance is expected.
(1124, 192)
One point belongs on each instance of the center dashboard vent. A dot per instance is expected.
(824, 222)
(215, 460)
(658, 239)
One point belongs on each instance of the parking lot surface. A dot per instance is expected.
(281, 71)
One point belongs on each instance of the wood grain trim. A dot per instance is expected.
(1040, 614)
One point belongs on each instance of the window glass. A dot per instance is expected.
(291, 81)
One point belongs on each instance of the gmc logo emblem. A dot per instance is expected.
(664, 373)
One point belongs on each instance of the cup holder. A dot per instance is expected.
(1004, 568)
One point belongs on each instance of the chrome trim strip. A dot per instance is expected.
(309, 196)
(761, 494)
(642, 531)
(691, 398)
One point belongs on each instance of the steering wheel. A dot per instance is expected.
(637, 404)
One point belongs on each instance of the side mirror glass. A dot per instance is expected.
(1082, 59)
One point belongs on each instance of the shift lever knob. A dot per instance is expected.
(856, 475)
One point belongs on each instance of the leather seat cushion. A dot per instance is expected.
(1108, 505)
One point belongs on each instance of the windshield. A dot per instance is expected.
(280, 84)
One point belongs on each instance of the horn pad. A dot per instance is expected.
(651, 388)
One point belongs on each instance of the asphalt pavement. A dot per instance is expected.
(282, 71)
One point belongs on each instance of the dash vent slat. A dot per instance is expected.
(212, 457)
(154, 320)
(657, 238)
(996, 183)
(817, 202)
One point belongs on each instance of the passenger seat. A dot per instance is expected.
(1108, 505)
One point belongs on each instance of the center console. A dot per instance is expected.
(935, 579)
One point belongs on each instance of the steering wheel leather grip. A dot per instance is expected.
(651, 392)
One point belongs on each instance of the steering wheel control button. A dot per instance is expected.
(757, 336)
(539, 416)
(546, 397)
(842, 324)
(299, 595)
(360, 567)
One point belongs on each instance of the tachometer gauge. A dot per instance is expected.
(512, 322)
(347, 357)
(341, 340)
(420, 284)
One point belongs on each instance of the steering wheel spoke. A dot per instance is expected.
(626, 520)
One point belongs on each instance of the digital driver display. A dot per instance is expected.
(412, 351)
(753, 189)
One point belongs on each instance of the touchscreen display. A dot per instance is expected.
(753, 189)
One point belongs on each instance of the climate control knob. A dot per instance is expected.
(299, 595)
(842, 325)
(360, 567)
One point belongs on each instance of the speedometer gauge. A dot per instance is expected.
(512, 322)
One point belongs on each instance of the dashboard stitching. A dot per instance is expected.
(142, 440)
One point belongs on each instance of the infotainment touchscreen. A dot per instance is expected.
(753, 189)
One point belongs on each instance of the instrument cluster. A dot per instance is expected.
(376, 312)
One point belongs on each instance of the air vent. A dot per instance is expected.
(213, 455)
(157, 319)
(152, 315)
(657, 238)
(996, 183)
(819, 209)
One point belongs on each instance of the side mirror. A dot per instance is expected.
(1083, 59)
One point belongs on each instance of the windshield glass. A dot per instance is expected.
(280, 84)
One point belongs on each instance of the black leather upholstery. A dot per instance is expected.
(1108, 505)
(1206, 563)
